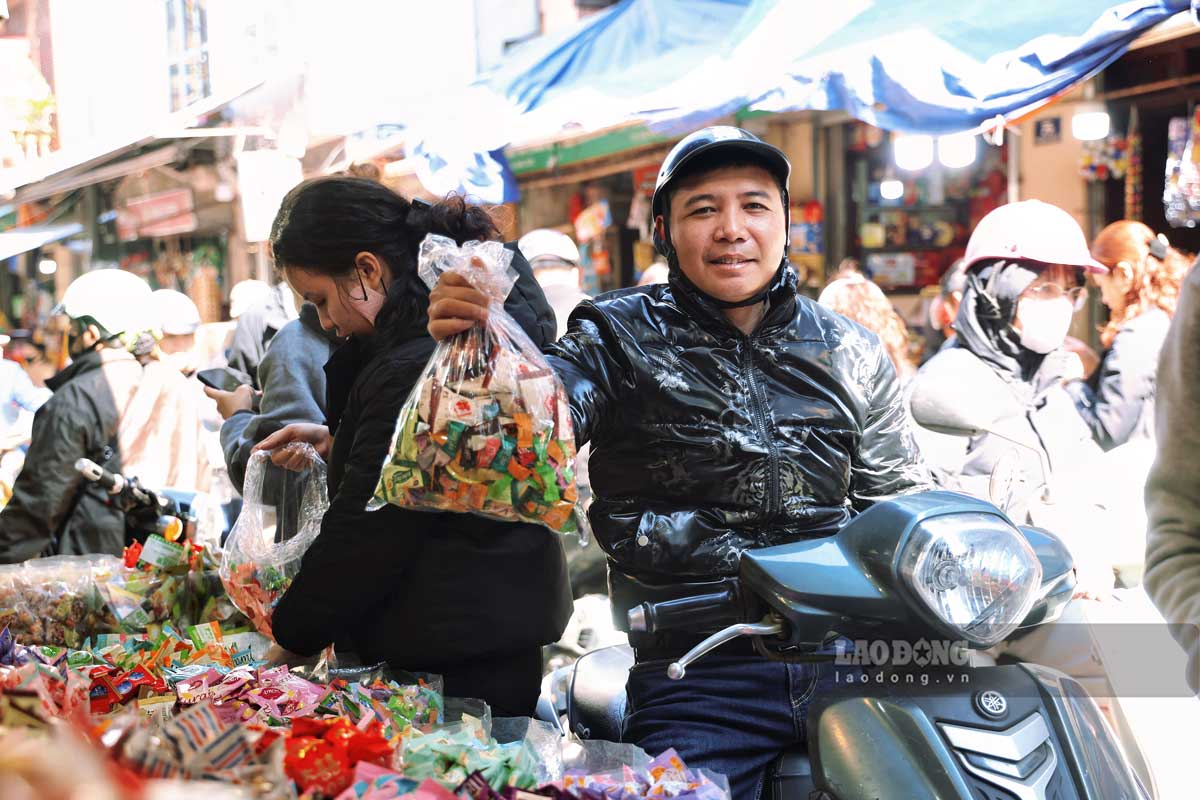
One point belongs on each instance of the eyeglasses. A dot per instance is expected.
(1053, 291)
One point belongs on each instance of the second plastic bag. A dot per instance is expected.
(281, 516)
(487, 429)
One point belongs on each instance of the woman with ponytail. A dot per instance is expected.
(465, 597)
(1141, 290)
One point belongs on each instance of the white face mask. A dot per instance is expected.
(1044, 323)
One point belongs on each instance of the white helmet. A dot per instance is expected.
(116, 300)
(177, 315)
(547, 243)
(246, 294)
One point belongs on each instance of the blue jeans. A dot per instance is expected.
(732, 714)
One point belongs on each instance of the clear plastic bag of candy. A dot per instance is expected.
(281, 516)
(487, 429)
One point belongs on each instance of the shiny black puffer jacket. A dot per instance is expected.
(707, 442)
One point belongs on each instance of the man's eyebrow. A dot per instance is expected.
(700, 198)
(709, 198)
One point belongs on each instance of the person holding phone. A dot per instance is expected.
(292, 377)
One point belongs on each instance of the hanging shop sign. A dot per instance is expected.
(159, 214)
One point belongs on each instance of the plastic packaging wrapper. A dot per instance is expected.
(198, 744)
(281, 516)
(322, 755)
(487, 429)
(56, 600)
(664, 776)
(401, 709)
(450, 755)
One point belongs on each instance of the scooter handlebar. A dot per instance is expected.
(698, 612)
(115, 484)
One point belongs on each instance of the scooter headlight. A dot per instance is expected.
(975, 572)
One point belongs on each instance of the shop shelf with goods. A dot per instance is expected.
(908, 226)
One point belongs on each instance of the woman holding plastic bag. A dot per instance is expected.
(469, 598)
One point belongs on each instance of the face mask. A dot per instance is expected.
(367, 302)
(1044, 323)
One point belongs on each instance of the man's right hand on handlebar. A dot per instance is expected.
(316, 435)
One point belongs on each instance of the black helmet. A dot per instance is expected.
(706, 140)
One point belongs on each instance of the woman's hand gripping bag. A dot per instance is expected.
(281, 516)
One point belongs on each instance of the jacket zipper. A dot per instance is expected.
(759, 404)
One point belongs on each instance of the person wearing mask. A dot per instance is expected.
(261, 311)
(292, 377)
(468, 598)
(726, 413)
(861, 300)
(53, 510)
(555, 262)
(178, 320)
(1023, 263)
(1140, 289)
(1173, 489)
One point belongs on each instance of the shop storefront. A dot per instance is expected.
(913, 202)
(597, 191)
(1146, 168)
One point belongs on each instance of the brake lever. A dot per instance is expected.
(767, 627)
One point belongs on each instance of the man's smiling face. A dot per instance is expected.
(728, 229)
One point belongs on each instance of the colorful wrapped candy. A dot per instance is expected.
(487, 429)
(665, 776)
(449, 756)
(281, 516)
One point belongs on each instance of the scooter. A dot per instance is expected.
(947, 574)
(174, 514)
(1118, 646)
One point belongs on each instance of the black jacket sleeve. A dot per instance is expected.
(44, 491)
(359, 555)
(888, 461)
(589, 362)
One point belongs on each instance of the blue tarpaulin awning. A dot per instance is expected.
(926, 66)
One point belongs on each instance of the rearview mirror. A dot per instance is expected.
(950, 395)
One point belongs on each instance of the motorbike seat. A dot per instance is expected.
(596, 701)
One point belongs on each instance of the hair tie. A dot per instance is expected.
(419, 214)
(1158, 247)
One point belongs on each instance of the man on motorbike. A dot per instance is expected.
(53, 509)
(725, 413)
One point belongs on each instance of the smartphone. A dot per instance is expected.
(219, 378)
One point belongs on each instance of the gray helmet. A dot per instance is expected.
(707, 140)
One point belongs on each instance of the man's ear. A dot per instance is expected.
(91, 335)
